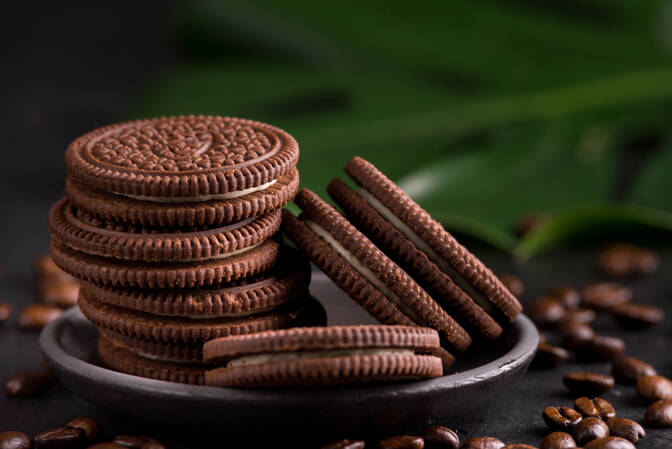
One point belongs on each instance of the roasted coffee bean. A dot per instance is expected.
(575, 334)
(588, 384)
(558, 440)
(589, 429)
(637, 316)
(549, 356)
(27, 384)
(579, 315)
(440, 437)
(546, 311)
(604, 295)
(568, 296)
(46, 268)
(654, 388)
(513, 284)
(625, 261)
(59, 292)
(402, 442)
(629, 369)
(345, 444)
(659, 414)
(61, 437)
(519, 446)
(133, 441)
(5, 311)
(560, 418)
(153, 445)
(36, 316)
(542, 338)
(90, 427)
(626, 428)
(107, 445)
(14, 440)
(601, 349)
(597, 407)
(483, 443)
(610, 443)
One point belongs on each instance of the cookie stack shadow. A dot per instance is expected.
(176, 245)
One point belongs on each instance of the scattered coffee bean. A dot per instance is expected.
(542, 338)
(654, 388)
(626, 261)
(59, 438)
(345, 444)
(133, 441)
(659, 414)
(626, 428)
(513, 283)
(440, 437)
(601, 348)
(580, 315)
(558, 440)
(107, 445)
(14, 440)
(575, 334)
(59, 292)
(568, 296)
(27, 384)
(402, 442)
(589, 429)
(560, 418)
(629, 369)
(153, 445)
(597, 407)
(519, 446)
(46, 268)
(588, 384)
(546, 311)
(90, 427)
(36, 316)
(549, 356)
(483, 443)
(604, 295)
(610, 443)
(637, 316)
(5, 311)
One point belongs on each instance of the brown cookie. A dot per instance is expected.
(116, 273)
(179, 329)
(154, 349)
(88, 234)
(288, 280)
(110, 206)
(194, 157)
(429, 236)
(324, 356)
(410, 258)
(121, 359)
(364, 272)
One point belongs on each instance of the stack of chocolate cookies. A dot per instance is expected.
(170, 224)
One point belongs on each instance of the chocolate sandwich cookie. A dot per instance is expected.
(364, 271)
(414, 261)
(319, 356)
(91, 235)
(429, 237)
(110, 206)
(155, 349)
(117, 273)
(287, 281)
(121, 359)
(185, 159)
(181, 329)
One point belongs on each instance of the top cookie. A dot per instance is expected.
(195, 157)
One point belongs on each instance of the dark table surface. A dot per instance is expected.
(70, 68)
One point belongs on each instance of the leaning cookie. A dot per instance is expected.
(410, 258)
(365, 272)
(320, 356)
(429, 237)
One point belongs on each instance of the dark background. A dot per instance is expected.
(68, 68)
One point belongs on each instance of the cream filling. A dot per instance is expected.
(234, 253)
(364, 271)
(193, 199)
(443, 264)
(259, 359)
(214, 317)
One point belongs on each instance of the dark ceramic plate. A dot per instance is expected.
(69, 347)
